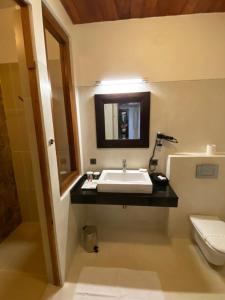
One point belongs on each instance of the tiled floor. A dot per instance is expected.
(22, 269)
(183, 272)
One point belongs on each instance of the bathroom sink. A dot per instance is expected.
(131, 181)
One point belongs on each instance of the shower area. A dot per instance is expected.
(10, 214)
(21, 247)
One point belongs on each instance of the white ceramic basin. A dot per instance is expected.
(132, 181)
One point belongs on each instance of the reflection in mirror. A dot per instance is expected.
(58, 105)
(122, 121)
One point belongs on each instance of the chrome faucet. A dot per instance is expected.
(124, 162)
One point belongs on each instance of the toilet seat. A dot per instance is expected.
(212, 231)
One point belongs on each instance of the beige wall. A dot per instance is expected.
(116, 219)
(19, 140)
(8, 44)
(162, 49)
(183, 59)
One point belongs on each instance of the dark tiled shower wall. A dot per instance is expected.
(10, 216)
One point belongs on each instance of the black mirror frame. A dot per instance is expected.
(143, 98)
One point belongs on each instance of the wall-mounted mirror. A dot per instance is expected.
(63, 103)
(122, 120)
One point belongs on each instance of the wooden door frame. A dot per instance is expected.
(38, 122)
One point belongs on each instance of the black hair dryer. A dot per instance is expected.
(158, 143)
(161, 136)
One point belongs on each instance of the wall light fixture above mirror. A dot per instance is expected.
(122, 120)
(121, 81)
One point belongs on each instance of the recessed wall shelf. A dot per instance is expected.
(162, 196)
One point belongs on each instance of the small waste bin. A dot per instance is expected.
(90, 239)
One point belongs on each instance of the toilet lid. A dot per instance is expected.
(217, 242)
(211, 229)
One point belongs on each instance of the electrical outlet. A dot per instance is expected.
(154, 162)
(93, 161)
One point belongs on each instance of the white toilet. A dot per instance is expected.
(209, 234)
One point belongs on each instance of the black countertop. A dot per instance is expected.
(163, 196)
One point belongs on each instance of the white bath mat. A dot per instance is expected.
(114, 283)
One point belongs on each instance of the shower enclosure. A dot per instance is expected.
(10, 215)
(21, 247)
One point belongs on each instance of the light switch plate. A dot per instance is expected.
(93, 161)
(207, 171)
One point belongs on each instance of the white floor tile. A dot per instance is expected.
(22, 267)
(183, 272)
